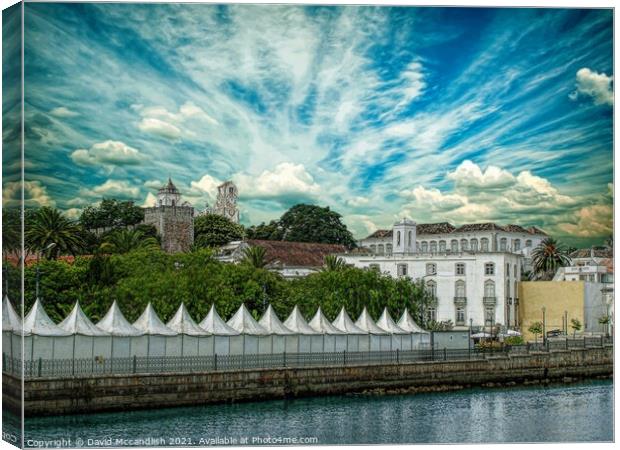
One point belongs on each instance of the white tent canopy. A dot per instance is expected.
(344, 323)
(150, 323)
(183, 323)
(78, 323)
(10, 319)
(38, 322)
(272, 324)
(244, 323)
(297, 323)
(365, 322)
(214, 324)
(115, 323)
(386, 323)
(320, 324)
(408, 324)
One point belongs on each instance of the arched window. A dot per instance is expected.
(459, 289)
(508, 289)
(432, 288)
(528, 243)
(442, 246)
(424, 247)
(380, 249)
(410, 241)
(433, 246)
(373, 248)
(431, 269)
(517, 245)
(388, 249)
(398, 238)
(489, 269)
(489, 288)
(454, 245)
(473, 245)
(464, 245)
(503, 244)
(484, 244)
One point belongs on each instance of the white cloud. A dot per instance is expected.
(206, 185)
(78, 201)
(73, 213)
(150, 200)
(159, 128)
(112, 189)
(153, 184)
(35, 194)
(357, 201)
(591, 221)
(286, 181)
(595, 85)
(469, 175)
(434, 199)
(107, 153)
(63, 112)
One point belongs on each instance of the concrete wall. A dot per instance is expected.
(556, 297)
(120, 392)
(595, 307)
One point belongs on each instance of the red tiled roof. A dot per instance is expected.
(380, 234)
(32, 259)
(296, 254)
(536, 230)
(435, 228)
(447, 228)
(488, 226)
(596, 253)
(515, 228)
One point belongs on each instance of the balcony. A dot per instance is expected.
(489, 301)
(460, 301)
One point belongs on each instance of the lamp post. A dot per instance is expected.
(544, 325)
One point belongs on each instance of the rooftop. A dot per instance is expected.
(296, 254)
(593, 253)
(447, 228)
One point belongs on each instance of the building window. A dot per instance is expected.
(463, 245)
(424, 247)
(460, 268)
(401, 269)
(489, 269)
(373, 248)
(388, 249)
(515, 271)
(431, 269)
(398, 238)
(507, 295)
(454, 245)
(473, 245)
(375, 267)
(489, 288)
(528, 243)
(380, 249)
(432, 288)
(442, 246)
(410, 241)
(507, 269)
(503, 244)
(517, 245)
(460, 315)
(489, 315)
(459, 289)
(484, 244)
(433, 247)
(431, 315)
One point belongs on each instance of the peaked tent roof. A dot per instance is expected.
(365, 322)
(78, 323)
(115, 323)
(183, 323)
(272, 323)
(150, 323)
(321, 324)
(344, 323)
(244, 323)
(38, 322)
(214, 324)
(297, 323)
(10, 318)
(387, 323)
(408, 324)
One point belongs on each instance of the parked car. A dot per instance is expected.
(554, 333)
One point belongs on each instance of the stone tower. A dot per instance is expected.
(173, 220)
(226, 202)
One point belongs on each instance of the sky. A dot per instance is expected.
(435, 114)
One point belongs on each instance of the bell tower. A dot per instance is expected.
(404, 237)
(226, 202)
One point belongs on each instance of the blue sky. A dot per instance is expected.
(438, 114)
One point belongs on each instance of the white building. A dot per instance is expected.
(473, 273)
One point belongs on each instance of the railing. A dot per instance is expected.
(193, 364)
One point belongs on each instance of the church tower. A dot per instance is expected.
(404, 237)
(226, 202)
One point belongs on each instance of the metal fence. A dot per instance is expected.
(193, 364)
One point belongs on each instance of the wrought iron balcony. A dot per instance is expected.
(489, 301)
(460, 300)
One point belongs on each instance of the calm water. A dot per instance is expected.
(577, 412)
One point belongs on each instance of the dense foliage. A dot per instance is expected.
(212, 230)
(196, 278)
(111, 213)
(305, 223)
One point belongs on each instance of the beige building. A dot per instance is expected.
(562, 301)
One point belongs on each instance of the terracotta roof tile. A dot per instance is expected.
(488, 226)
(597, 253)
(296, 254)
(515, 228)
(435, 228)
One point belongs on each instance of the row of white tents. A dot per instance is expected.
(76, 337)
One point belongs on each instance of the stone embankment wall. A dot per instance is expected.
(121, 392)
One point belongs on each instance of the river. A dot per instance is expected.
(572, 412)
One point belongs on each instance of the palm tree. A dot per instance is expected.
(332, 263)
(547, 258)
(52, 234)
(255, 257)
(125, 241)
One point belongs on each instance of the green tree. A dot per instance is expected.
(604, 320)
(311, 223)
(575, 324)
(213, 230)
(11, 230)
(269, 232)
(53, 234)
(536, 328)
(333, 263)
(111, 213)
(125, 241)
(547, 258)
(255, 257)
